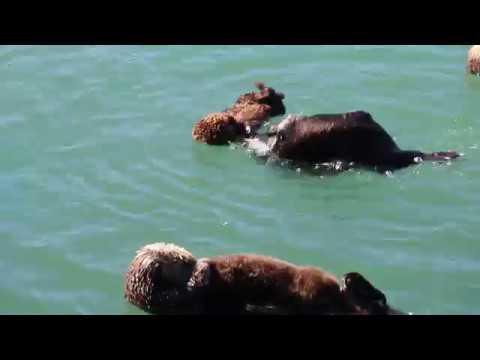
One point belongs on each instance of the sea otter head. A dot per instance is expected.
(157, 278)
(272, 98)
(218, 129)
(365, 296)
(267, 96)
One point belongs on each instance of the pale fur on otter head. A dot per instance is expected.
(174, 259)
(163, 274)
(474, 60)
(157, 277)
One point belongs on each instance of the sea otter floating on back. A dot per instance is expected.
(352, 137)
(165, 278)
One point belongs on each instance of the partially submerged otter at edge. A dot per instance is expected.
(241, 120)
(352, 138)
(165, 278)
(473, 61)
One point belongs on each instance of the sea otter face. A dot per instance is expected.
(177, 273)
(166, 264)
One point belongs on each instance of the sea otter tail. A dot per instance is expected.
(401, 159)
(441, 156)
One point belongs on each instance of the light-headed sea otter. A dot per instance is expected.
(165, 278)
(473, 61)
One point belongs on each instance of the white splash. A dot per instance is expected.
(259, 147)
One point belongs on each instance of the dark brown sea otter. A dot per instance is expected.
(164, 278)
(351, 137)
(243, 119)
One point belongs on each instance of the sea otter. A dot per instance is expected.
(352, 138)
(473, 62)
(164, 278)
(243, 119)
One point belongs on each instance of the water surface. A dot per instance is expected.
(98, 160)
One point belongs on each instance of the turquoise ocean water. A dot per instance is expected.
(97, 160)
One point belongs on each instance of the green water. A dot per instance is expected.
(97, 160)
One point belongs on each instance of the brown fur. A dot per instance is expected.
(164, 278)
(248, 114)
(473, 62)
(218, 129)
(263, 281)
(266, 96)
